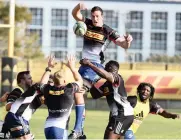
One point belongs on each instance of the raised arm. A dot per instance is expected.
(71, 65)
(76, 12)
(124, 41)
(46, 75)
(100, 71)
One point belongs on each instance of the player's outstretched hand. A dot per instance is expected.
(71, 61)
(85, 61)
(83, 6)
(51, 61)
(128, 38)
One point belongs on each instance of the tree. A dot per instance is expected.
(25, 46)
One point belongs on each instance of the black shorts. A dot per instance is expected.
(16, 125)
(120, 124)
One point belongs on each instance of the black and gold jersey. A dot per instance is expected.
(96, 40)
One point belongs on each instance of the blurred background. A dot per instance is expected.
(32, 29)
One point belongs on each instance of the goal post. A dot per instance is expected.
(10, 26)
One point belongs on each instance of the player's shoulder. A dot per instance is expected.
(133, 100)
(87, 20)
(17, 90)
(71, 85)
(107, 29)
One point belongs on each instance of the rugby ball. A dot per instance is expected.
(80, 28)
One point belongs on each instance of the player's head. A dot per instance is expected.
(97, 16)
(145, 91)
(112, 66)
(58, 78)
(24, 78)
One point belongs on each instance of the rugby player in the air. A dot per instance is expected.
(96, 39)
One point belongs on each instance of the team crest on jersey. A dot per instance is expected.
(94, 35)
(56, 92)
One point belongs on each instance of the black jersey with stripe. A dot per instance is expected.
(28, 102)
(96, 40)
(117, 97)
(15, 94)
(59, 100)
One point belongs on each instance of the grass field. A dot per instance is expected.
(154, 127)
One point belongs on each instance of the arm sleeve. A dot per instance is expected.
(132, 100)
(111, 34)
(15, 94)
(154, 107)
(72, 88)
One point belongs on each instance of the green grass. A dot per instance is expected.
(154, 126)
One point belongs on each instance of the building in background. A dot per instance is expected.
(154, 24)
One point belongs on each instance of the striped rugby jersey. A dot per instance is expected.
(96, 39)
(27, 104)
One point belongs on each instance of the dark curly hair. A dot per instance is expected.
(141, 85)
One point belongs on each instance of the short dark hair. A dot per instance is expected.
(21, 76)
(97, 8)
(112, 66)
(143, 84)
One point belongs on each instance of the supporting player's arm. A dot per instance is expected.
(76, 12)
(101, 72)
(46, 75)
(71, 65)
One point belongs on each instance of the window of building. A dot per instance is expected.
(37, 32)
(137, 41)
(79, 42)
(61, 55)
(110, 55)
(178, 21)
(159, 20)
(158, 41)
(111, 18)
(78, 55)
(37, 16)
(138, 57)
(59, 38)
(135, 20)
(59, 17)
(178, 41)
